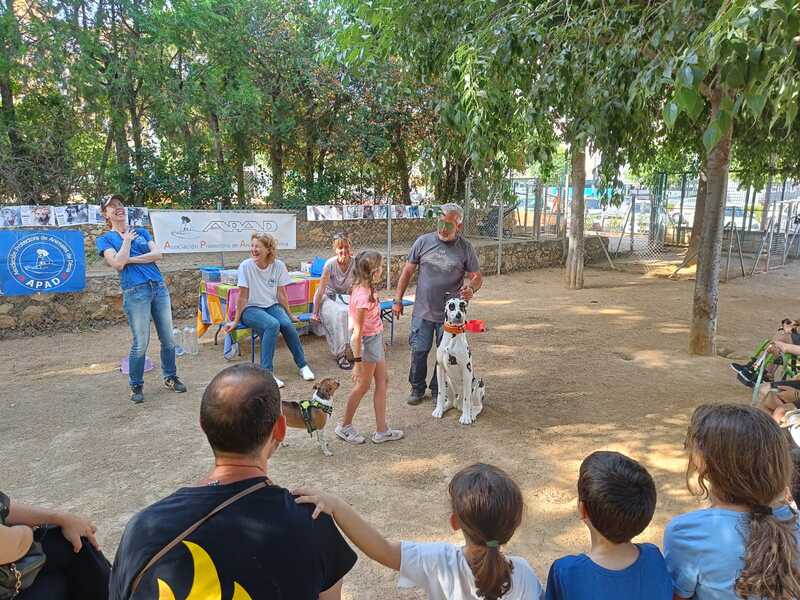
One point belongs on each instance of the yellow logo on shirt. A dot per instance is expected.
(206, 585)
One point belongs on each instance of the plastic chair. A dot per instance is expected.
(317, 266)
(387, 314)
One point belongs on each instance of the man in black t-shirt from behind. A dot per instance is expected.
(263, 546)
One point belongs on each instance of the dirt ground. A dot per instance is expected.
(566, 373)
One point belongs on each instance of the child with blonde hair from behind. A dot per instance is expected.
(486, 506)
(369, 360)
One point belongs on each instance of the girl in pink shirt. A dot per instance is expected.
(369, 358)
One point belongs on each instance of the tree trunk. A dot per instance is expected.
(537, 209)
(136, 134)
(276, 167)
(216, 141)
(697, 224)
(101, 172)
(308, 163)
(706, 288)
(402, 166)
(767, 202)
(241, 193)
(574, 273)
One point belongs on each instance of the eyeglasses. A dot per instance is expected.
(447, 225)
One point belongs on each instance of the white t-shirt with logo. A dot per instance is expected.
(442, 570)
(263, 283)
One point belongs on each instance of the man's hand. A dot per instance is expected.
(397, 309)
(230, 326)
(73, 528)
(466, 292)
(315, 316)
(779, 347)
(323, 503)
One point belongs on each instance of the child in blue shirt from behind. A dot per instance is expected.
(616, 501)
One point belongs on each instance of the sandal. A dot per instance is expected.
(344, 363)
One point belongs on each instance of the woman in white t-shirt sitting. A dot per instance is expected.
(486, 506)
(263, 305)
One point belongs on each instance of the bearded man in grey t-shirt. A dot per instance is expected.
(444, 258)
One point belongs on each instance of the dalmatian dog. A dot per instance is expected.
(458, 385)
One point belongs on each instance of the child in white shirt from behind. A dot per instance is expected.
(486, 506)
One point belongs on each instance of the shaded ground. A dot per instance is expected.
(566, 373)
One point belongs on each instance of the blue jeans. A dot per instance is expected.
(266, 322)
(421, 339)
(143, 303)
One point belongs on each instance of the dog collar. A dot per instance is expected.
(317, 398)
(454, 329)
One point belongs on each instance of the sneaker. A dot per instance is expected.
(279, 382)
(307, 373)
(742, 368)
(137, 397)
(745, 380)
(390, 435)
(415, 398)
(175, 384)
(349, 434)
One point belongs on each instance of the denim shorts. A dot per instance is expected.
(372, 348)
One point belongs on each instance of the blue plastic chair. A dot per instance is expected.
(387, 314)
(317, 266)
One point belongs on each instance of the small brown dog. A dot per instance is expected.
(312, 415)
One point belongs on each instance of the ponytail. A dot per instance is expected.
(771, 558)
(488, 506)
(492, 572)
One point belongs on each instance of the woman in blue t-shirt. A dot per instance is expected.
(145, 297)
(745, 545)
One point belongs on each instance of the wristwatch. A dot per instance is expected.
(400, 302)
(356, 359)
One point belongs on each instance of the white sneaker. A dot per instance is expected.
(307, 373)
(278, 381)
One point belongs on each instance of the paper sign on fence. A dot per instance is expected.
(178, 231)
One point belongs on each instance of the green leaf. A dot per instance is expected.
(671, 112)
(712, 136)
(756, 103)
(686, 76)
(734, 73)
(690, 100)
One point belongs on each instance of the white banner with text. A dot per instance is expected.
(179, 231)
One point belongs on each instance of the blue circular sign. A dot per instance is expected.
(41, 262)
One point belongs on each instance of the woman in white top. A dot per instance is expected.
(263, 305)
(487, 507)
(330, 301)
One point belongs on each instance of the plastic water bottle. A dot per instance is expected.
(193, 343)
(177, 336)
(187, 340)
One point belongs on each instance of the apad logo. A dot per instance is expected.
(187, 231)
(41, 262)
(205, 584)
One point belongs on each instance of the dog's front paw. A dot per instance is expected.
(326, 451)
(438, 412)
(466, 418)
